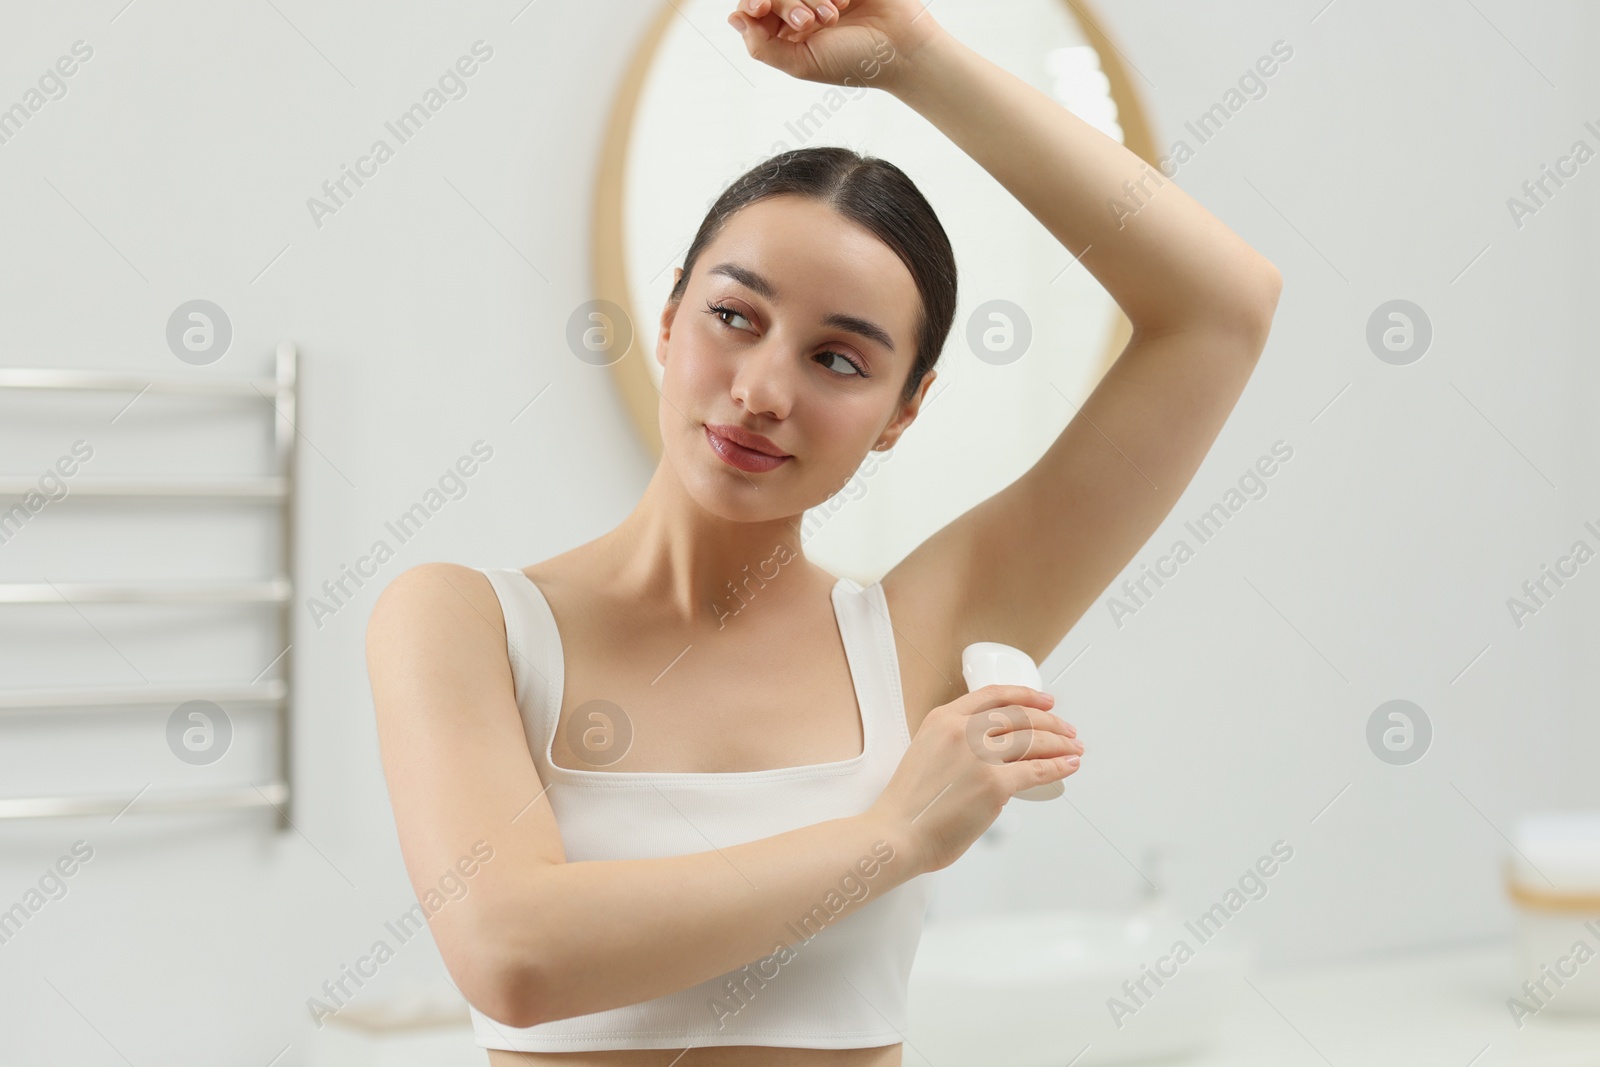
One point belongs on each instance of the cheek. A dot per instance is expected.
(693, 391)
(691, 369)
(840, 433)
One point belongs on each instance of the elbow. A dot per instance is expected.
(496, 975)
(1250, 320)
(1266, 303)
(512, 998)
(1238, 314)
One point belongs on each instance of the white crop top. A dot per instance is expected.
(842, 982)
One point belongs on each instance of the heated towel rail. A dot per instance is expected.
(282, 392)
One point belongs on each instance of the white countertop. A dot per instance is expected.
(1445, 1007)
(1433, 1009)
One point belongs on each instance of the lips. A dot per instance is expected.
(748, 439)
(741, 456)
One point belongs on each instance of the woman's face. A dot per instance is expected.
(813, 344)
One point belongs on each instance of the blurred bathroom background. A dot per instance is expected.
(1356, 711)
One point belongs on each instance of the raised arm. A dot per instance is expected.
(1024, 565)
(534, 938)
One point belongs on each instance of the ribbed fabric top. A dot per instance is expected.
(842, 982)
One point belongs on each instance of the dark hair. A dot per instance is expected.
(871, 192)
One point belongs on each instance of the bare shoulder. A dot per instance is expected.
(434, 598)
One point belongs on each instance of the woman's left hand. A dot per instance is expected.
(838, 42)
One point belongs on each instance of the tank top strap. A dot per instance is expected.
(533, 646)
(864, 623)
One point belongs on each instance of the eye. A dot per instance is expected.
(719, 310)
(856, 371)
(859, 373)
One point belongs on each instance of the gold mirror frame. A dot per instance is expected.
(639, 393)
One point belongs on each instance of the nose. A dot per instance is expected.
(762, 382)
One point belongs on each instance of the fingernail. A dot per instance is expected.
(799, 17)
(736, 22)
(1073, 762)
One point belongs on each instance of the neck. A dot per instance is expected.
(672, 553)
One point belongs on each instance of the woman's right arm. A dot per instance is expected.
(535, 938)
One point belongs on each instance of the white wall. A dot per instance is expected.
(432, 307)
(1230, 711)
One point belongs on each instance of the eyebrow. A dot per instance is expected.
(849, 323)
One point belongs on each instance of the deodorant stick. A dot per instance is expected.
(991, 663)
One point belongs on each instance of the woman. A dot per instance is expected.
(691, 787)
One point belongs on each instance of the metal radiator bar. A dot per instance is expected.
(270, 489)
(118, 697)
(282, 392)
(150, 801)
(272, 591)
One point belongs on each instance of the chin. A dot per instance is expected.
(722, 491)
(728, 493)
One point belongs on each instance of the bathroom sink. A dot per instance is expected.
(1032, 989)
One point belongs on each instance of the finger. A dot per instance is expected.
(1033, 739)
(1049, 720)
(795, 14)
(1000, 695)
(794, 36)
(1025, 774)
(816, 15)
(769, 21)
(1047, 725)
(757, 32)
(824, 10)
(1007, 734)
(1015, 719)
